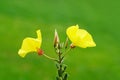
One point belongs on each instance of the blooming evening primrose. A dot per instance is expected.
(80, 37)
(30, 44)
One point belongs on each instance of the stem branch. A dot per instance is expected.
(50, 57)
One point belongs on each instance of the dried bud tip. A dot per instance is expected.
(40, 52)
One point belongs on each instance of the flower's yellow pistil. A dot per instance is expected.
(80, 37)
(30, 44)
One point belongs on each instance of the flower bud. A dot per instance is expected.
(40, 52)
(56, 39)
(72, 46)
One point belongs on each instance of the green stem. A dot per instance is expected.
(50, 57)
(66, 52)
(60, 74)
(61, 68)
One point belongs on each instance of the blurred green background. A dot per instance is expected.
(21, 18)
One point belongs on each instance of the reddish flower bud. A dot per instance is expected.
(72, 46)
(40, 52)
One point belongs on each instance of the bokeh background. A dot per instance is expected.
(21, 18)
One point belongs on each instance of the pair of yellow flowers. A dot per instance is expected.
(78, 37)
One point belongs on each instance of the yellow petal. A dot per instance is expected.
(39, 35)
(71, 32)
(80, 37)
(30, 44)
(84, 39)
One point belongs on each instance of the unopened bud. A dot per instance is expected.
(40, 52)
(56, 39)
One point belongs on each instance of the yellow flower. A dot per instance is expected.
(80, 37)
(30, 44)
